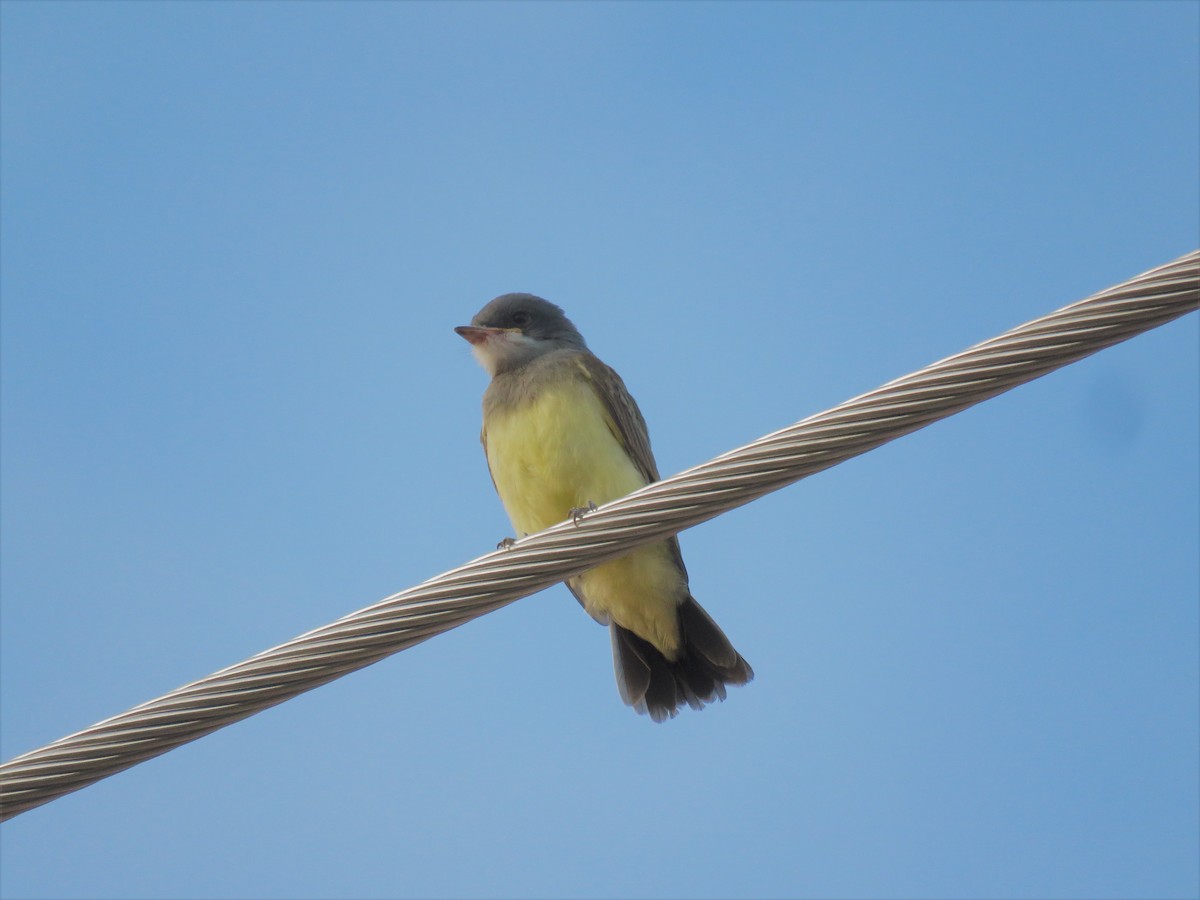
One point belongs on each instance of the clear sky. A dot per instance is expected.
(235, 240)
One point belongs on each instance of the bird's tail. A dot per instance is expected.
(651, 683)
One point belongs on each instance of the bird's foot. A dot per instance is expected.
(507, 544)
(578, 512)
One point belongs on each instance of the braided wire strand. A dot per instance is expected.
(652, 513)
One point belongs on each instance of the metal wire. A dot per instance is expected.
(650, 514)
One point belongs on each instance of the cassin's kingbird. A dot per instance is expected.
(560, 433)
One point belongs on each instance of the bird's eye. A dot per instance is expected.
(521, 319)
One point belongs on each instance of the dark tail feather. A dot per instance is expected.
(651, 683)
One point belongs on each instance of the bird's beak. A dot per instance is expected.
(477, 335)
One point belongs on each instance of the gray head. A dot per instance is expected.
(516, 328)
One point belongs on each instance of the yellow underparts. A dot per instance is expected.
(557, 452)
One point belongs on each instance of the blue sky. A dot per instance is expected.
(235, 239)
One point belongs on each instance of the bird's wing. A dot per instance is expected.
(483, 440)
(628, 426)
(624, 418)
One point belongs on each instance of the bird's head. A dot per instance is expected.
(516, 328)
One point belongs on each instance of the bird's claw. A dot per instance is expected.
(578, 512)
(507, 544)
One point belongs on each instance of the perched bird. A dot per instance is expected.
(561, 433)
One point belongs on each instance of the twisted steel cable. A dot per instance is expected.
(660, 509)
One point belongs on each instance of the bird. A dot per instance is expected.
(561, 433)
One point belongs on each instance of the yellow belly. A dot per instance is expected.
(557, 452)
(640, 592)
